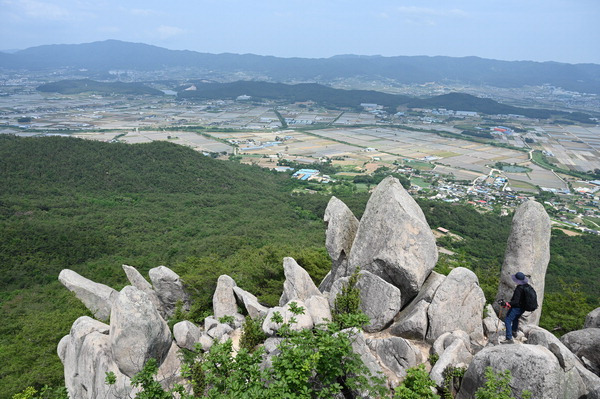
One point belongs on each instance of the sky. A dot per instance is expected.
(537, 30)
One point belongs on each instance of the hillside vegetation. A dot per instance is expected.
(92, 206)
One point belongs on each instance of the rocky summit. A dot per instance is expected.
(415, 314)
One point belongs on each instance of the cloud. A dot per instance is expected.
(38, 9)
(166, 32)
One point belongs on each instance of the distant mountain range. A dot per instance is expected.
(113, 54)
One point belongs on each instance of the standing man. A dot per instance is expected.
(515, 307)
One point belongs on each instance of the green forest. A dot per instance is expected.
(92, 206)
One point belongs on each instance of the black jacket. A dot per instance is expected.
(515, 301)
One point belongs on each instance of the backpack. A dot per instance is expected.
(529, 300)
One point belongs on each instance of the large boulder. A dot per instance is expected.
(253, 307)
(527, 251)
(341, 230)
(412, 322)
(567, 359)
(586, 345)
(394, 240)
(304, 320)
(533, 368)
(396, 354)
(169, 288)
(224, 303)
(98, 298)
(455, 355)
(379, 299)
(139, 282)
(592, 320)
(87, 357)
(360, 347)
(318, 309)
(457, 305)
(297, 285)
(137, 331)
(186, 334)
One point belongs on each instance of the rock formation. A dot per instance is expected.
(139, 282)
(98, 298)
(298, 285)
(137, 331)
(413, 311)
(527, 251)
(412, 321)
(533, 368)
(457, 305)
(378, 299)
(586, 345)
(341, 230)
(592, 320)
(224, 303)
(169, 289)
(393, 240)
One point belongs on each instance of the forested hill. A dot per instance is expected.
(113, 54)
(92, 206)
(329, 96)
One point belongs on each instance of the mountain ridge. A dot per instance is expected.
(114, 54)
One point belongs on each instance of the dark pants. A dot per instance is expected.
(511, 321)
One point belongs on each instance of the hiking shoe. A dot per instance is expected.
(507, 341)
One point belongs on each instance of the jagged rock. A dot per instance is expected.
(379, 299)
(169, 289)
(186, 334)
(137, 331)
(205, 342)
(359, 346)
(224, 303)
(592, 320)
(393, 240)
(412, 322)
(457, 305)
(455, 355)
(325, 285)
(567, 359)
(98, 298)
(210, 322)
(169, 371)
(218, 331)
(491, 323)
(270, 327)
(271, 345)
(254, 309)
(341, 230)
(298, 285)
(396, 354)
(87, 357)
(533, 368)
(318, 309)
(447, 339)
(586, 345)
(139, 282)
(527, 251)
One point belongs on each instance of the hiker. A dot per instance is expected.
(523, 299)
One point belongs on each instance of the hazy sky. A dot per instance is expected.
(538, 30)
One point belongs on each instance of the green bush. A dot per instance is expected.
(416, 385)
